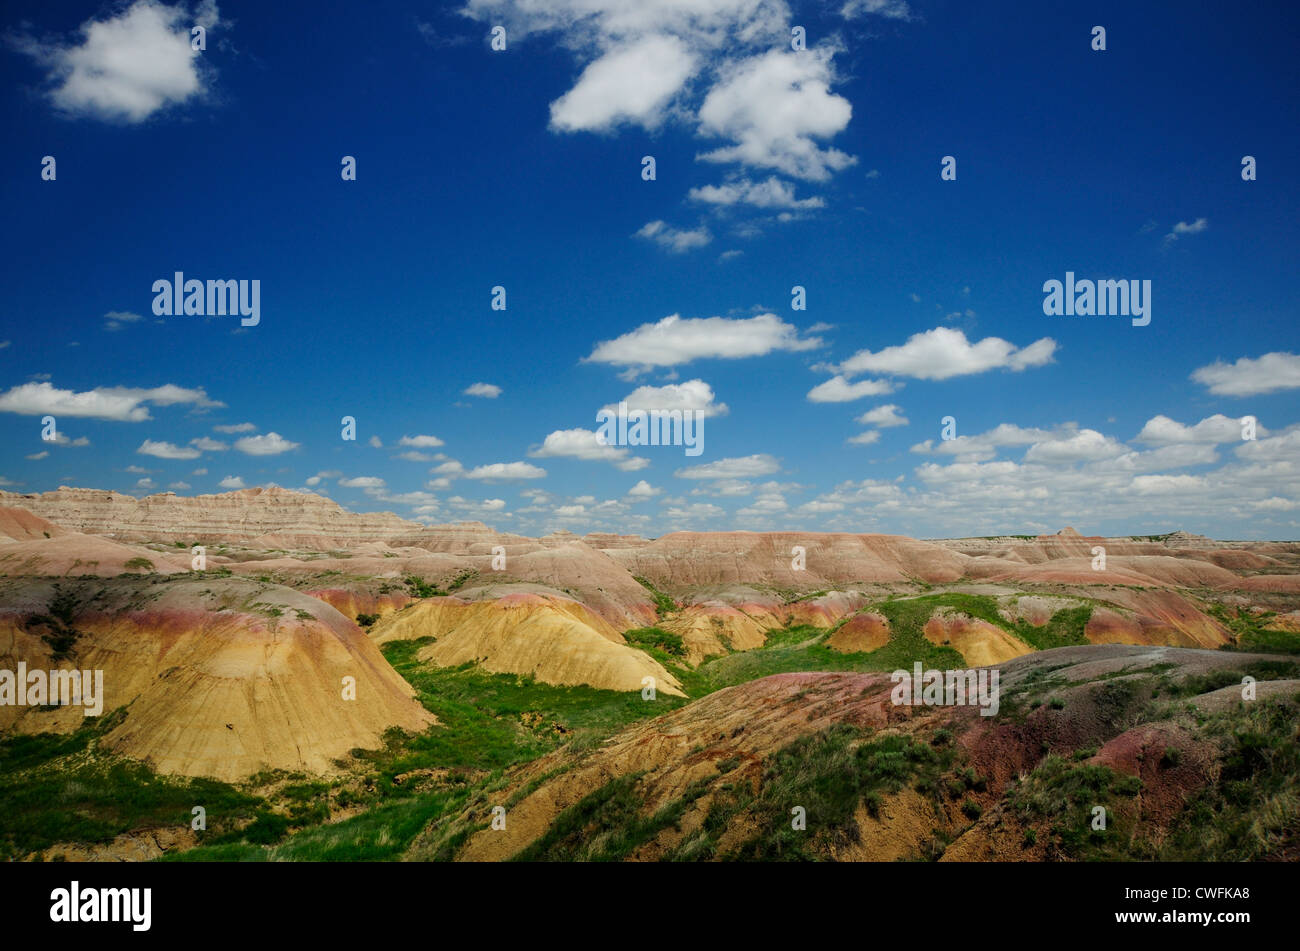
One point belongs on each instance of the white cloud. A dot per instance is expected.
(676, 340)
(231, 482)
(488, 391)
(145, 483)
(414, 456)
(677, 240)
(270, 444)
(362, 482)
(775, 106)
(865, 439)
(839, 390)
(944, 352)
(420, 442)
(632, 82)
(772, 193)
(693, 395)
(889, 9)
(117, 319)
(506, 471)
(1185, 228)
(236, 428)
(744, 467)
(1247, 377)
(1083, 446)
(118, 403)
(583, 444)
(208, 445)
(129, 66)
(38, 455)
(883, 416)
(696, 511)
(165, 450)
(985, 445)
(178, 486)
(1163, 431)
(643, 490)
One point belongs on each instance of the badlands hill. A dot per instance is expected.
(216, 677)
(1083, 726)
(609, 666)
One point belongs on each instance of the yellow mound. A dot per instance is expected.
(212, 684)
(556, 640)
(980, 642)
(711, 627)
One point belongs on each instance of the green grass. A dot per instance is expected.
(59, 788)
(1251, 633)
(606, 825)
(829, 774)
(664, 605)
(420, 588)
(656, 638)
(481, 716)
(1254, 809)
(1065, 793)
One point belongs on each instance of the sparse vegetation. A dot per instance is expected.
(420, 588)
(664, 605)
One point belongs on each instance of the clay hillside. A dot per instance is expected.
(344, 685)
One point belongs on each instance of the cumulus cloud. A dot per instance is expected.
(584, 444)
(633, 82)
(207, 444)
(1186, 228)
(984, 445)
(865, 439)
(1247, 377)
(488, 391)
(270, 444)
(235, 428)
(1082, 446)
(506, 472)
(420, 442)
(1163, 431)
(676, 340)
(165, 450)
(839, 390)
(677, 240)
(693, 395)
(944, 352)
(775, 107)
(772, 193)
(724, 67)
(117, 403)
(643, 490)
(744, 467)
(883, 417)
(231, 482)
(129, 66)
(362, 482)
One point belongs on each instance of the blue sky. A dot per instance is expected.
(522, 168)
